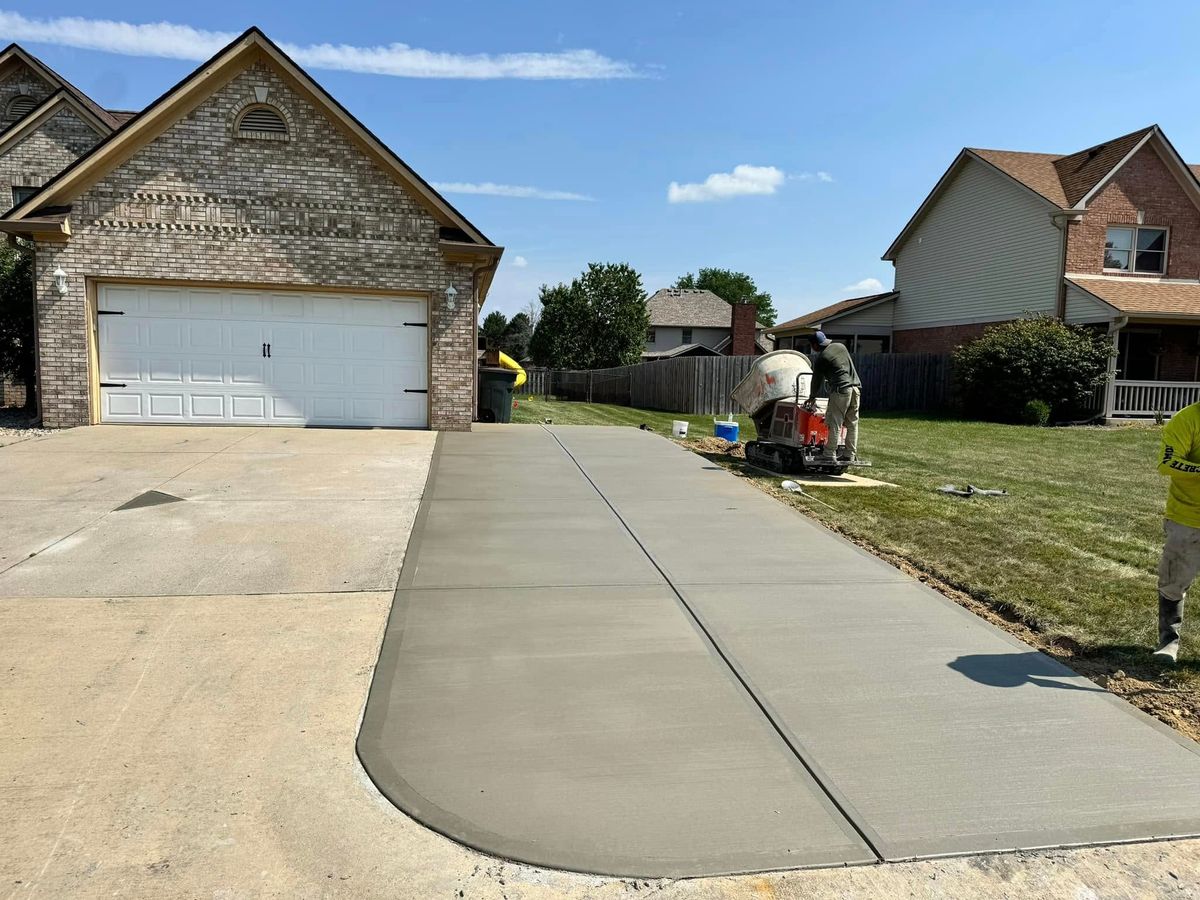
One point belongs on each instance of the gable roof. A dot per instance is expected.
(690, 308)
(17, 52)
(1066, 181)
(692, 349)
(192, 90)
(46, 110)
(834, 311)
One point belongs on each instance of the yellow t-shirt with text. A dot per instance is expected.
(1180, 458)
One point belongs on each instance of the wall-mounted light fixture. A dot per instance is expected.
(60, 281)
(451, 293)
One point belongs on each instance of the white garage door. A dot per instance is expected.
(203, 355)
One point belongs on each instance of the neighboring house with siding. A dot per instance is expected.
(696, 322)
(241, 251)
(863, 324)
(1108, 236)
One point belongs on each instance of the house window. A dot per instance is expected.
(687, 336)
(20, 106)
(262, 121)
(1136, 250)
(651, 336)
(22, 192)
(865, 346)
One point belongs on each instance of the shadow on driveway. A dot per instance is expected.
(1009, 670)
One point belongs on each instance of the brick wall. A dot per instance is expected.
(201, 204)
(11, 87)
(942, 339)
(1179, 351)
(40, 156)
(1144, 183)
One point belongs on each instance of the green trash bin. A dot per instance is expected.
(496, 394)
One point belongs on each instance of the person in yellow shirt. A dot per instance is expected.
(1180, 459)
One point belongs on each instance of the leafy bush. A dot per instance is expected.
(1036, 412)
(16, 318)
(1034, 359)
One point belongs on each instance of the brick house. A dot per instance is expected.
(241, 251)
(1108, 236)
(696, 322)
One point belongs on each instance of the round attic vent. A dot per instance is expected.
(262, 120)
(21, 106)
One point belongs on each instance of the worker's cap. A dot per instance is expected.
(819, 339)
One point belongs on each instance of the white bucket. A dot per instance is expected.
(679, 428)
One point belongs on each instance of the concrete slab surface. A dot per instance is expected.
(240, 475)
(31, 525)
(515, 478)
(251, 547)
(496, 710)
(70, 476)
(507, 543)
(947, 735)
(140, 439)
(587, 727)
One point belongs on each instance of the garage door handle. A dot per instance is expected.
(110, 312)
(268, 351)
(417, 324)
(264, 350)
(415, 391)
(113, 384)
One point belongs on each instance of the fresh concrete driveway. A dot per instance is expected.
(608, 655)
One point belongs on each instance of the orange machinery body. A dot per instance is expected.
(795, 426)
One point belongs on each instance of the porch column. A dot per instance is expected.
(1110, 383)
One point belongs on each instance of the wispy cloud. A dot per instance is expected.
(866, 286)
(519, 262)
(520, 191)
(172, 41)
(742, 181)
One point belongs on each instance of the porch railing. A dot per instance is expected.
(1146, 398)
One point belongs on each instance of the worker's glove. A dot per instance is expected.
(811, 404)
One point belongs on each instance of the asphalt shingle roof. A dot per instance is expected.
(1134, 296)
(689, 308)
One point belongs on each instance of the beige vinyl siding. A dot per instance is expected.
(667, 337)
(1083, 307)
(986, 251)
(880, 314)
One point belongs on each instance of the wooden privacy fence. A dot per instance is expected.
(701, 385)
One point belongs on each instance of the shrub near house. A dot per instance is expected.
(1014, 370)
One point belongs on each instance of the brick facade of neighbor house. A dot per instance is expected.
(942, 339)
(41, 155)
(743, 322)
(1180, 347)
(200, 203)
(1143, 184)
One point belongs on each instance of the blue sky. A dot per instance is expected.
(840, 116)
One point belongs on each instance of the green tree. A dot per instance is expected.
(17, 359)
(1014, 367)
(596, 321)
(492, 329)
(732, 287)
(515, 340)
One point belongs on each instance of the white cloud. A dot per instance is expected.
(490, 189)
(743, 180)
(823, 177)
(519, 262)
(171, 41)
(866, 286)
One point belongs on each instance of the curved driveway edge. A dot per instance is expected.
(606, 655)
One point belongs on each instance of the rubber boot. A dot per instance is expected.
(1170, 622)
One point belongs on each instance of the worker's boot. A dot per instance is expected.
(1170, 623)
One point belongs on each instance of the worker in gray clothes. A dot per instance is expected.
(835, 368)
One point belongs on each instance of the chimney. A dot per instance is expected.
(742, 327)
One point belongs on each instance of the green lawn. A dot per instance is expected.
(1072, 552)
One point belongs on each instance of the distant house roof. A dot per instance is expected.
(16, 52)
(689, 308)
(121, 116)
(764, 343)
(1143, 296)
(681, 350)
(1063, 180)
(833, 311)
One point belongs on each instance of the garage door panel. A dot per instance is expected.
(335, 360)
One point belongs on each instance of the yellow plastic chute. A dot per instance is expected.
(508, 362)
